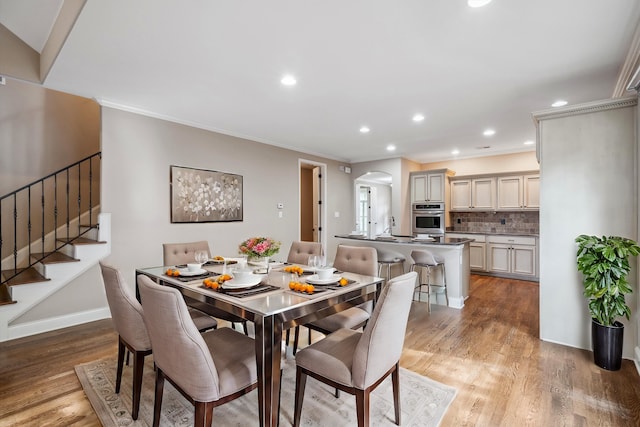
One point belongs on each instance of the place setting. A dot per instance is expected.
(239, 282)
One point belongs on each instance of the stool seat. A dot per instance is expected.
(387, 258)
(424, 259)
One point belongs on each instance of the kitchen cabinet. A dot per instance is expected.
(519, 192)
(429, 186)
(473, 194)
(477, 250)
(513, 255)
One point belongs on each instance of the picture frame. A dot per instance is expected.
(200, 195)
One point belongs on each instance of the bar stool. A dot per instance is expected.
(388, 259)
(425, 259)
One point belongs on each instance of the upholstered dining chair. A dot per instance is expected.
(208, 369)
(357, 362)
(354, 259)
(182, 253)
(299, 252)
(127, 317)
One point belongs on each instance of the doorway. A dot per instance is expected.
(373, 204)
(312, 183)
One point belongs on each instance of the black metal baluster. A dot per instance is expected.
(79, 199)
(29, 224)
(68, 205)
(55, 212)
(90, 192)
(43, 212)
(15, 232)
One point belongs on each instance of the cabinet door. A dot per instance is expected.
(531, 191)
(418, 188)
(477, 256)
(461, 194)
(523, 260)
(483, 193)
(499, 258)
(510, 192)
(436, 187)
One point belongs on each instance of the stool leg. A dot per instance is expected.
(444, 284)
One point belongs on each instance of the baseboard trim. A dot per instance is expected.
(51, 324)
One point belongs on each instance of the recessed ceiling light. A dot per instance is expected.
(364, 129)
(391, 147)
(489, 132)
(288, 80)
(455, 152)
(418, 118)
(529, 143)
(478, 3)
(559, 103)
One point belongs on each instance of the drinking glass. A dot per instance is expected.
(201, 257)
(313, 262)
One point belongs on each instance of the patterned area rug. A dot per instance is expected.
(423, 401)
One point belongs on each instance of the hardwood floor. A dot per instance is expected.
(489, 351)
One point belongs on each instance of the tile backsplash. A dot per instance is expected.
(525, 222)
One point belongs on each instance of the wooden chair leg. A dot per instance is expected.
(296, 336)
(362, 407)
(395, 379)
(244, 326)
(309, 336)
(301, 382)
(157, 404)
(287, 336)
(138, 369)
(121, 349)
(203, 414)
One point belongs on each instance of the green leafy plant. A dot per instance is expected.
(604, 263)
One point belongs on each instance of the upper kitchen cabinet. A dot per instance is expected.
(473, 194)
(429, 186)
(519, 192)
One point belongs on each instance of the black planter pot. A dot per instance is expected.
(607, 345)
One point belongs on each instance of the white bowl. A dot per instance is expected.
(243, 275)
(324, 272)
(194, 266)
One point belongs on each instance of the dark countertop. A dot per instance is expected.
(439, 241)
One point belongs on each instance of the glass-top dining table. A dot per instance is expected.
(273, 308)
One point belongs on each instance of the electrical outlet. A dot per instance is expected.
(503, 221)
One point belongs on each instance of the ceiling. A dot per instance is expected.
(218, 65)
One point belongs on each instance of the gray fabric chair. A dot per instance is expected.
(299, 252)
(209, 369)
(127, 317)
(357, 362)
(424, 259)
(182, 253)
(354, 259)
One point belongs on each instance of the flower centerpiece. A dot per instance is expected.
(259, 247)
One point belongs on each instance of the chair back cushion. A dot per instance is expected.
(178, 348)
(182, 253)
(300, 251)
(126, 311)
(381, 343)
(357, 259)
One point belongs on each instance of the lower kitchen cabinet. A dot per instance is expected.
(512, 255)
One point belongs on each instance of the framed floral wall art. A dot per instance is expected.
(199, 195)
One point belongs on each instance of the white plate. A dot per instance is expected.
(315, 280)
(233, 284)
(428, 239)
(186, 272)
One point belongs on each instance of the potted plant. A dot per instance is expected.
(604, 263)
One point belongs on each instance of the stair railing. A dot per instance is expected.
(43, 207)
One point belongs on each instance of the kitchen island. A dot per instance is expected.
(455, 252)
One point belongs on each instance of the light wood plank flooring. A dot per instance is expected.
(489, 351)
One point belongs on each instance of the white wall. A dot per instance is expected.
(588, 186)
(136, 154)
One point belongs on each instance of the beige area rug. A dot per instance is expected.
(423, 401)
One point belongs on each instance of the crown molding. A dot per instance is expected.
(588, 107)
(629, 77)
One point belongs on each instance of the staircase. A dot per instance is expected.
(49, 236)
(48, 276)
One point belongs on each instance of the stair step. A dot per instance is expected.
(23, 276)
(53, 257)
(90, 225)
(5, 295)
(81, 241)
